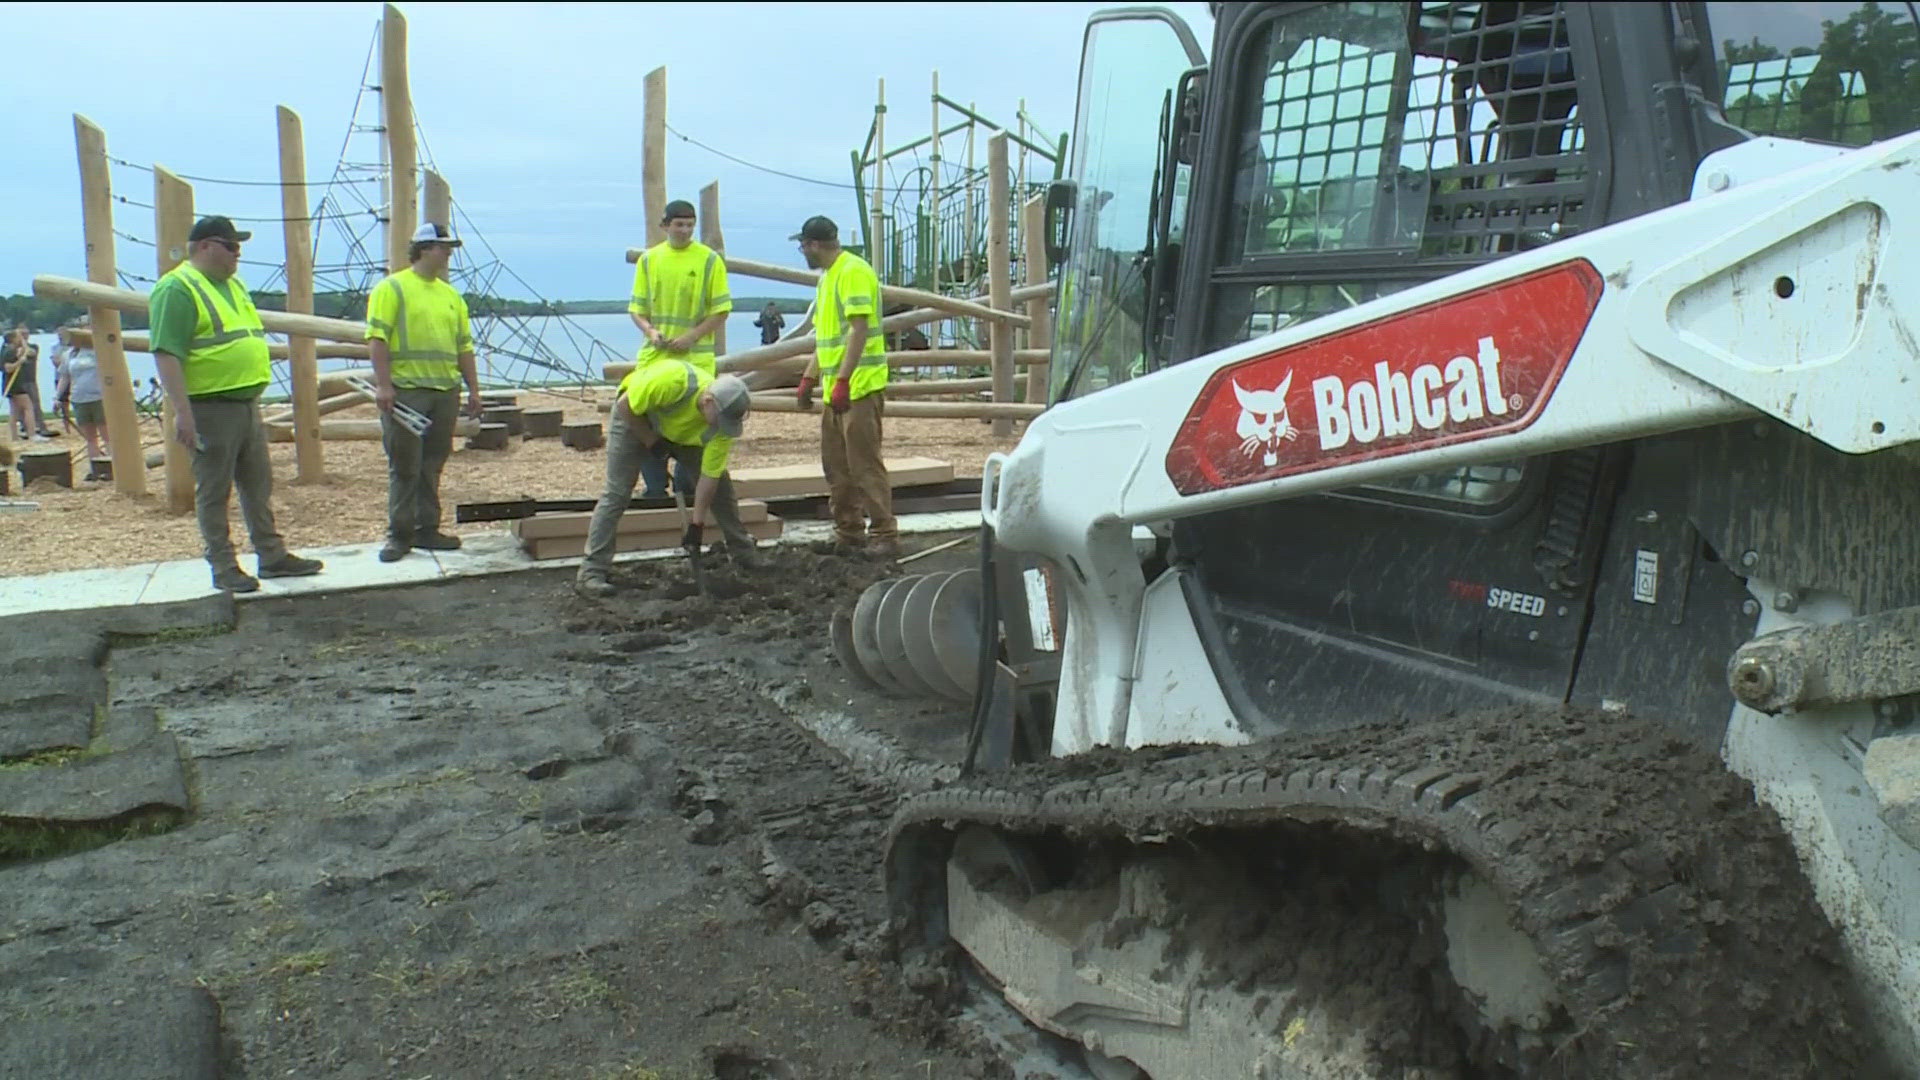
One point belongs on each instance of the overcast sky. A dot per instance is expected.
(532, 112)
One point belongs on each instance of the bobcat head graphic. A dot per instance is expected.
(1263, 421)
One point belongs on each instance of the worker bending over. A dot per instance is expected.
(667, 411)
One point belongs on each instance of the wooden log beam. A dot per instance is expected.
(303, 362)
(778, 401)
(711, 236)
(73, 291)
(396, 101)
(948, 306)
(323, 407)
(356, 430)
(960, 358)
(799, 346)
(116, 385)
(931, 387)
(653, 154)
(1033, 230)
(172, 223)
(999, 275)
(142, 343)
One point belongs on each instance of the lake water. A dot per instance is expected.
(578, 342)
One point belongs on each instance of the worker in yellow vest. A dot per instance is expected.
(671, 410)
(421, 342)
(680, 297)
(211, 354)
(850, 359)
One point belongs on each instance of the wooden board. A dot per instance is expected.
(780, 481)
(547, 526)
(562, 547)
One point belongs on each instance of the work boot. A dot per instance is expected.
(235, 580)
(291, 565)
(394, 550)
(437, 541)
(884, 547)
(594, 584)
(745, 556)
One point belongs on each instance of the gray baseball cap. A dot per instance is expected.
(731, 395)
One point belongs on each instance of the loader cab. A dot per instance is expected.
(1320, 155)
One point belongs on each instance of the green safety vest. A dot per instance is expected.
(674, 306)
(228, 350)
(422, 354)
(849, 271)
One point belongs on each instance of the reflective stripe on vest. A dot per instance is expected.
(228, 349)
(434, 368)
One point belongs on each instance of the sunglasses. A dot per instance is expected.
(230, 245)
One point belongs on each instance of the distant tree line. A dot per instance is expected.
(43, 315)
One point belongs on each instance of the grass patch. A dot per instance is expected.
(171, 635)
(302, 963)
(41, 759)
(29, 841)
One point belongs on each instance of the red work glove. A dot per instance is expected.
(842, 398)
(806, 392)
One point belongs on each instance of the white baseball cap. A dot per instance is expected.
(433, 233)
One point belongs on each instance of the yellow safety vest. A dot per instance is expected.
(676, 291)
(668, 395)
(228, 350)
(850, 282)
(423, 344)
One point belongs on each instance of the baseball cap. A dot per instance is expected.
(730, 394)
(216, 228)
(431, 232)
(678, 208)
(817, 227)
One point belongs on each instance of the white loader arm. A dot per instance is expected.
(1791, 296)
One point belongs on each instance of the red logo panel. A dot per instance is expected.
(1456, 370)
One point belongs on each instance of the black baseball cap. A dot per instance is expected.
(818, 227)
(678, 208)
(217, 228)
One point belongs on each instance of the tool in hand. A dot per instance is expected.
(690, 531)
(409, 417)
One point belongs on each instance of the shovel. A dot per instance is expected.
(693, 555)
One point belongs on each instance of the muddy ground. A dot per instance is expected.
(487, 828)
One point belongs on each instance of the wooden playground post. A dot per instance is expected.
(438, 200)
(303, 362)
(653, 153)
(711, 236)
(397, 101)
(172, 223)
(116, 385)
(999, 274)
(1033, 228)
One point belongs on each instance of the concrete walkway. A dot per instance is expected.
(352, 566)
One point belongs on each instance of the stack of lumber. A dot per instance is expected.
(560, 536)
(786, 481)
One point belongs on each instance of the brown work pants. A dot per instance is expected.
(858, 489)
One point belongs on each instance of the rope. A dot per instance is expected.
(761, 168)
(237, 183)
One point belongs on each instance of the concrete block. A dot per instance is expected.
(1893, 772)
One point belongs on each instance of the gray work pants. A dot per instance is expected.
(414, 462)
(233, 453)
(626, 450)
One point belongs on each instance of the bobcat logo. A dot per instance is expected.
(1263, 421)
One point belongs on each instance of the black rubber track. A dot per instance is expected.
(1667, 905)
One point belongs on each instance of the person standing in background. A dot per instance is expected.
(19, 369)
(770, 322)
(79, 387)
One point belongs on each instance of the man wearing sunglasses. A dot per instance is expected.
(211, 353)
